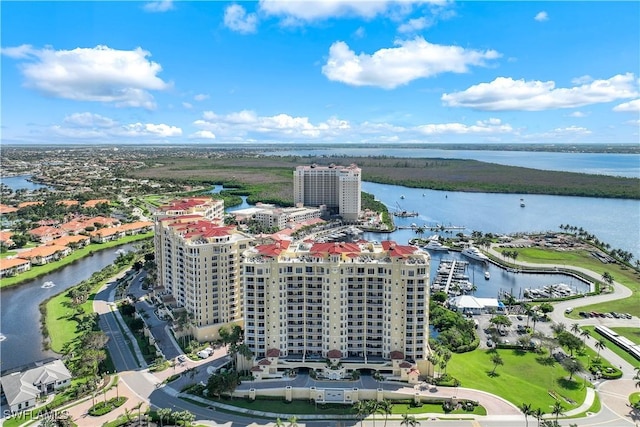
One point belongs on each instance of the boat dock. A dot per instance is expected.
(451, 278)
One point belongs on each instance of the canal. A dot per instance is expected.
(20, 314)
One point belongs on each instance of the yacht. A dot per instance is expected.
(474, 253)
(487, 275)
(434, 245)
(402, 196)
(522, 203)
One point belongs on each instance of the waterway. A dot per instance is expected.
(625, 165)
(21, 182)
(20, 314)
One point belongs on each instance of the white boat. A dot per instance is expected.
(474, 253)
(487, 275)
(522, 203)
(434, 245)
(402, 197)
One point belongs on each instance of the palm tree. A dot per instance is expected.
(279, 423)
(496, 360)
(585, 334)
(575, 328)
(293, 421)
(361, 407)
(537, 414)
(526, 410)
(386, 407)
(409, 421)
(557, 410)
(163, 413)
(636, 377)
(600, 345)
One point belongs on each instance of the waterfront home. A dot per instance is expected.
(71, 241)
(475, 305)
(22, 389)
(45, 254)
(106, 234)
(11, 266)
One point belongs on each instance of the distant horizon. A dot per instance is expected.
(284, 72)
(614, 148)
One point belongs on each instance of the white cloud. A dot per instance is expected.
(415, 25)
(628, 107)
(150, 129)
(201, 97)
(360, 33)
(392, 67)
(243, 123)
(93, 126)
(582, 80)
(541, 16)
(203, 134)
(158, 6)
(507, 94)
(237, 19)
(480, 127)
(306, 11)
(577, 114)
(18, 52)
(187, 105)
(101, 74)
(89, 120)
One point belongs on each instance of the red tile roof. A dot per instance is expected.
(273, 249)
(396, 355)
(273, 352)
(334, 354)
(396, 250)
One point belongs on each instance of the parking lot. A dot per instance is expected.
(511, 334)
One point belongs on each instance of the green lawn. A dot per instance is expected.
(580, 258)
(524, 378)
(40, 270)
(613, 347)
(61, 324)
(632, 334)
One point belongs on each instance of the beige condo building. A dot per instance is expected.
(360, 305)
(199, 265)
(336, 187)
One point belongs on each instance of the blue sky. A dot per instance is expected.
(279, 71)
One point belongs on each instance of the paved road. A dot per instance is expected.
(144, 386)
(117, 345)
(558, 314)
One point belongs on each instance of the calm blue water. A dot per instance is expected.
(627, 165)
(613, 221)
(20, 316)
(20, 182)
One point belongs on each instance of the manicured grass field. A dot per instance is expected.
(613, 347)
(581, 258)
(524, 378)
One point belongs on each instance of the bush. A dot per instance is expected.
(102, 408)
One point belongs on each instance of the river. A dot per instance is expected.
(20, 314)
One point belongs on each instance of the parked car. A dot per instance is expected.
(489, 343)
(182, 358)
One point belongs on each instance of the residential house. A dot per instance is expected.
(22, 389)
(45, 254)
(12, 266)
(45, 233)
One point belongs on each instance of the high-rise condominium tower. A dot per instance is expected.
(337, 187)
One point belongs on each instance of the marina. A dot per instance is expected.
(452, 278)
